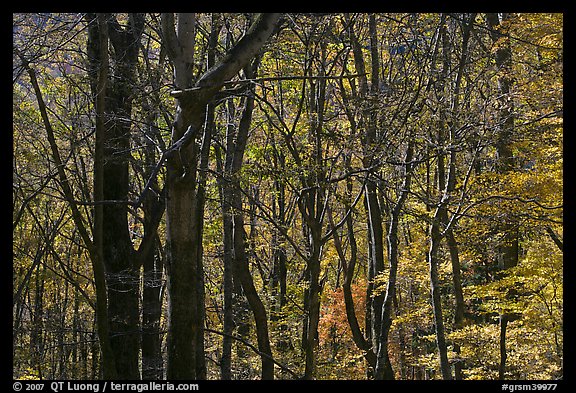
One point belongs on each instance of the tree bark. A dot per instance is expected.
(149, 254)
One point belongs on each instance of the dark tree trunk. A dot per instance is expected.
(121, 271)
(149, 254)
(313, 305)
(371, 200)
(241, 262)
(152, 362)
(503, 354)
(37, 325)
(228, 290)
(458, 297)
(115, 106)
(362, 340)
(153, 268)
(348, 268)
(451, 184)
(228, 249)
(279, 257)
(312, 207)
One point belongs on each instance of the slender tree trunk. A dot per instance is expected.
(279, 256)
(348, 268)
(458, 297)
(37, 326)
(227, 234)
(383, 365)
(278, 251)
(467, 27)
(371, 202)
(152, 362)
(228, 290)
(433, 261)
(376, 255)
(313, 209)
(362, 340)
(258, 309)
(313, 306)
(228, 249)
(150, 257)
(503, 354)
(508, 248)
(241, 265)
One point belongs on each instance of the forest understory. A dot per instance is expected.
(335, 196)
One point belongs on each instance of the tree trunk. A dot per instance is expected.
(383, 368)
(433, 261)
(228, 246)
(228, 290)
(152, 362)
(227, 235)
(362, 340)
(185, 326)
(451, 184)
(312, 207)
(97, 49)
(241, 263)
(348, 268)
(458, 297)
(37, 325)
(503, 354)
(313, 307)
(376, 255)
(373, 209)
(507, 249)
(122, 276)
(184, 210)
(258, 309)
(278, 251)
(149, 255)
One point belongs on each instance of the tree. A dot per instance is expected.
(122, 273)
(185, 201)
